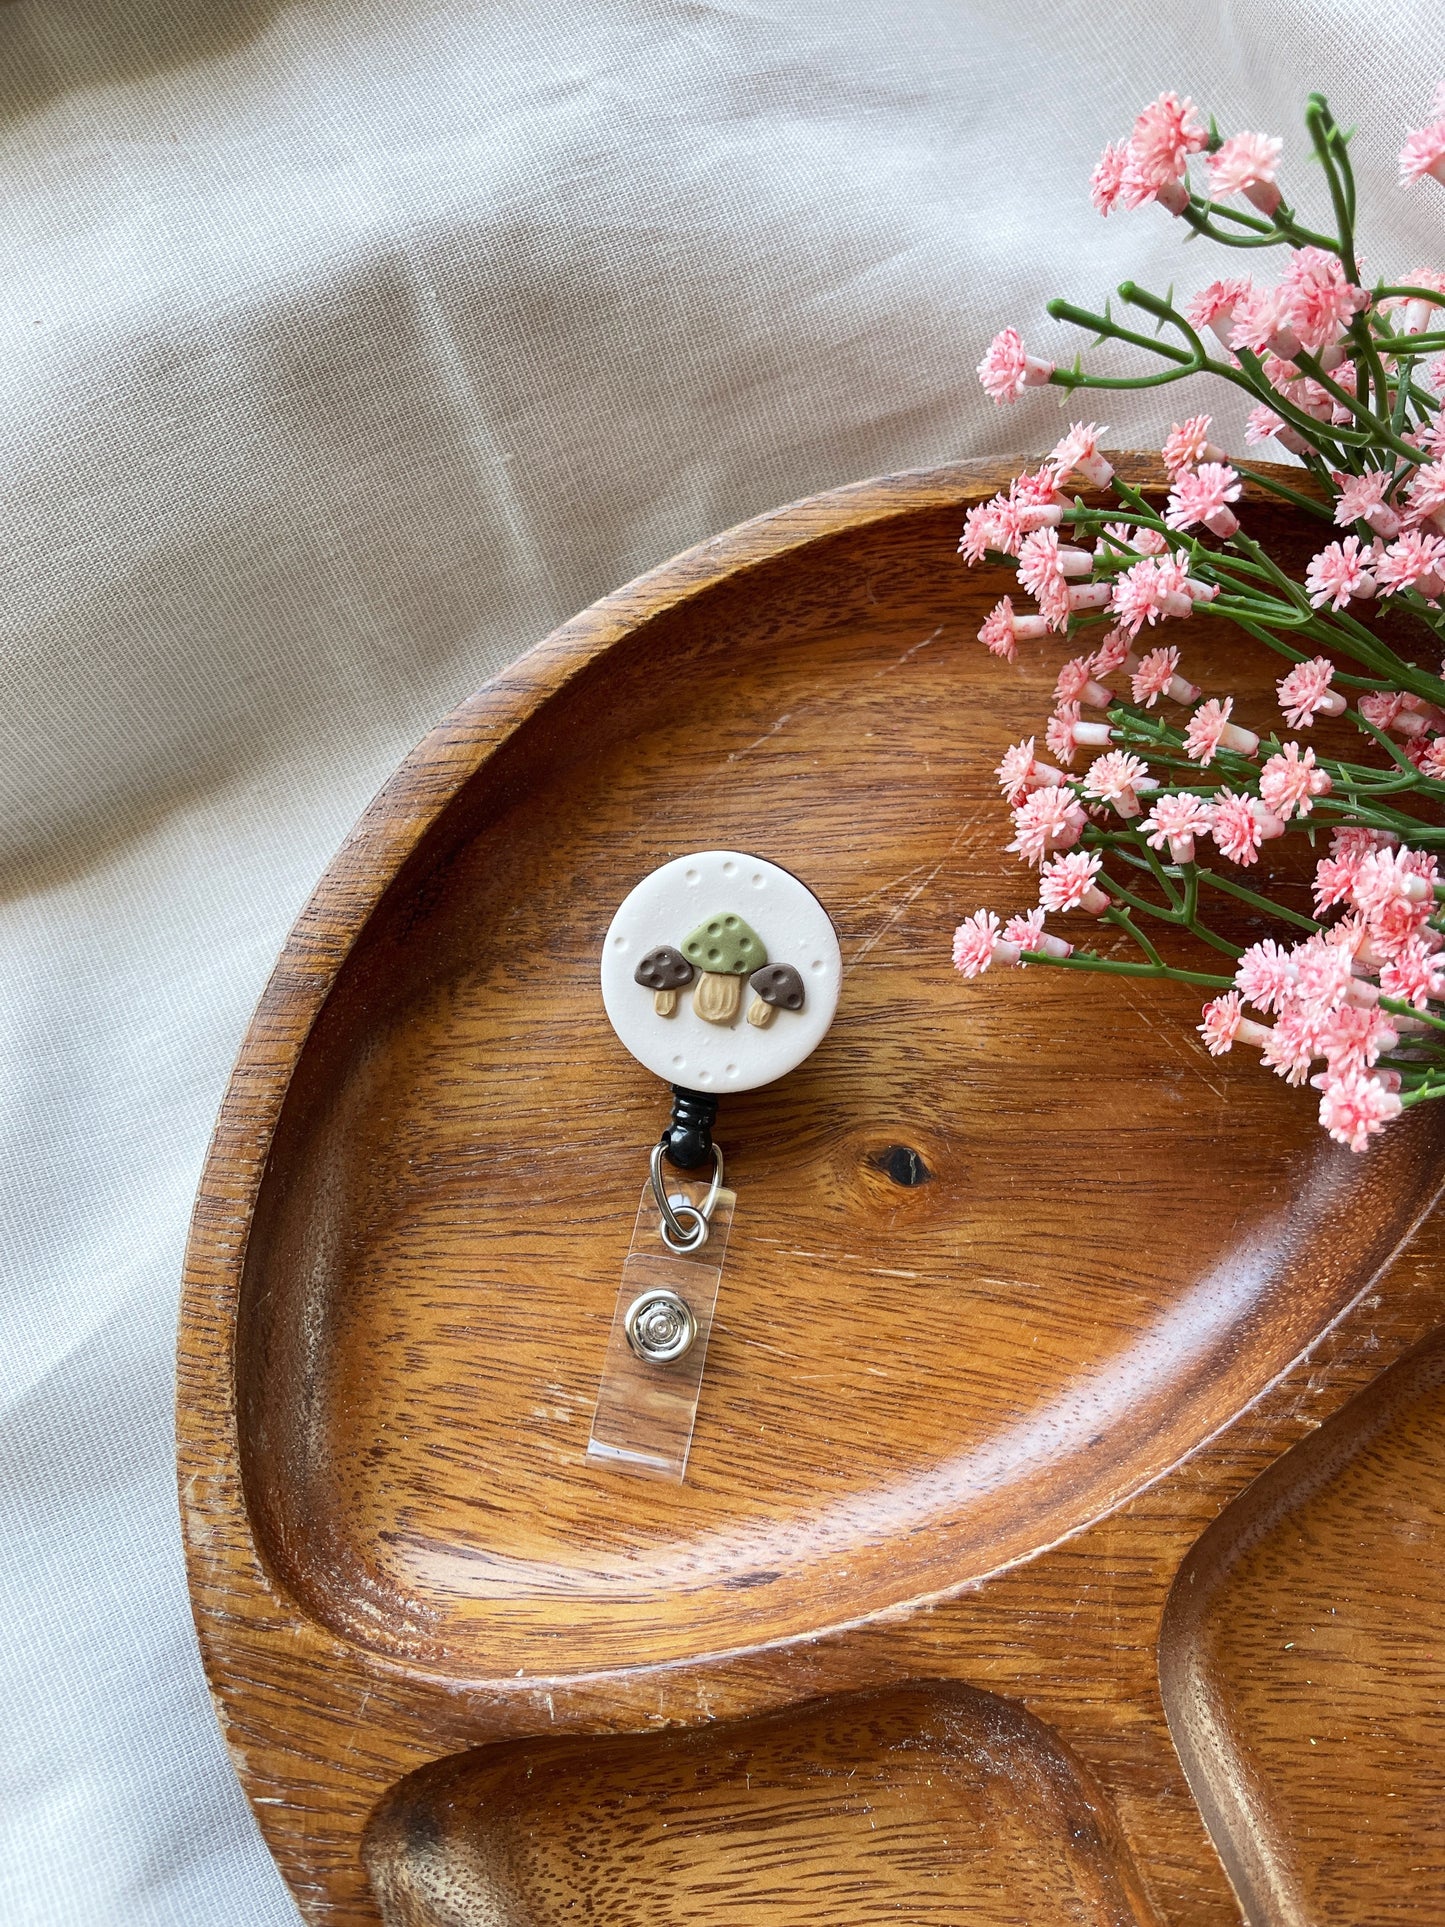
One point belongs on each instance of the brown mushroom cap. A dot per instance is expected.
(663, 969)
(779, 984)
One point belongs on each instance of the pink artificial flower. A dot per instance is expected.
(1305, 693)
(1157, 675)
(1078, 454)
(1414, 561)
(1337, 874)
(1431, 761)
(1066, 733)
(1355, 1038)
(1151, 590)
(1039, 489)
(1006, 370)
(1355, 1106)
(1246, 164)
(1044, 569)
(1042, 555)
(1076, 685)
(1419, 314)
(1258, 322)
(1187, 444)
(1107, 180)
(1172, 196)
(1325, 974)
(1202, 495)
(1397, 926)
(1020, 772)
(1213, 307)
(1047, 820)
(1164, 137)
(1289, 782)
(1003, 630)
(1040, 573)
(1293, 1043)
(1386, 876)
(1353, 932)
(1338, 575)
(1425, 493)
(1177, 820)
(1263, 425)
(1388, 709)
(1222, 1019)
(1226, 1025)
(1028, 933)
(1117, 777)
(1317, 300)
(1413, 976)
(1210, 730)
(976, 944)
(1059, 735)
(1113, 653)
(992, 525)
(1239, 824)
(1067, 883)
(1265, 975)
(1362, 499)
(1422, 154)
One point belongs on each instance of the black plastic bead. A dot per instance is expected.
(687, 1141)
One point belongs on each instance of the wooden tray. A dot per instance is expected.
(1024, 1290)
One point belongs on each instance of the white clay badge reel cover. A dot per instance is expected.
(721, 972)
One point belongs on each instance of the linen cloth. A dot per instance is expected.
(346, 348)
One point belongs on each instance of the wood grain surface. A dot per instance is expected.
(1023, 1288)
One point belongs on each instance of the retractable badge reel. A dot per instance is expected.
(720, 973)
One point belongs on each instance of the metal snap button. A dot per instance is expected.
(660, 1326)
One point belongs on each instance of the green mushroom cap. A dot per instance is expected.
(725, 945)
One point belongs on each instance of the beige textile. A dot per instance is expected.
(345, 349)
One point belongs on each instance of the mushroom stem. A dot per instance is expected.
(760, 1012)
(664, 1002)
(717, 996)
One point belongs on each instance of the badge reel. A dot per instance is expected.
(720, 973)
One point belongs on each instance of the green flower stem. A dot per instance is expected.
(1126, 923)
(1106, 326)
(1329, 145)
(1381, 432)
(1283, 230)
(1250, 376)
(1306, 503)
(1257, 902)
(1386, 290)
(1119, 967)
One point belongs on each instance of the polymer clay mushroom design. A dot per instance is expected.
(715, 959)
(777, 986)
(724, 950)
(664, 971)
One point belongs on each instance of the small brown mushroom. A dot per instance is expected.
(775, 987)
(664, 972)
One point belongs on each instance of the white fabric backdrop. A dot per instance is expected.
(345, 349)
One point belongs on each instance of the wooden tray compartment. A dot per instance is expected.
(929, 1803)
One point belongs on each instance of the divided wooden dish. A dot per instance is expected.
(1023, 1291)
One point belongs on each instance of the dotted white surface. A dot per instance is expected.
(666, 907)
